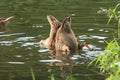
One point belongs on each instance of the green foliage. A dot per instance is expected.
(108, 60)
(119, 27)
(52, 77)
(70, 78)
(112, 13)
(32, 73)
(115, 76)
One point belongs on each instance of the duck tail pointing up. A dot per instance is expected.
(9, 18)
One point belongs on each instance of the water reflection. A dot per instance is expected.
(64, 63)
(4, 29)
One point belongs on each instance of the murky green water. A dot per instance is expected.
(19, 50)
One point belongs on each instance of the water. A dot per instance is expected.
(19, 49)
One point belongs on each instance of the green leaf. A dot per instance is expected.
(52, 77)
(32, 73)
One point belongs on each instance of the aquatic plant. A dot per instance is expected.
(32, 73)
(52, 77)
(112, 14)
(109, 61)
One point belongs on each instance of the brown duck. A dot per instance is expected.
(4, 22)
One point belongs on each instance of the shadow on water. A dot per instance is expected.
(19, 48)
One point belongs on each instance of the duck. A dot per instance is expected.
(66, 40)
(50, 41)
(4, 22)
(65, 37)
(62, 37)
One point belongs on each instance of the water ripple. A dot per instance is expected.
(16, 62)
(28, 44)
(91, 37)
(5, 35)
(6, 43)
(54, 60)
(43, 50)
(24, 39)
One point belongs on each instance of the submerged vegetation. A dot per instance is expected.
(109, 61)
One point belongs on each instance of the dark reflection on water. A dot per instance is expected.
(64, 63)
(19, 48)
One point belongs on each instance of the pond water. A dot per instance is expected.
(19, 49)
